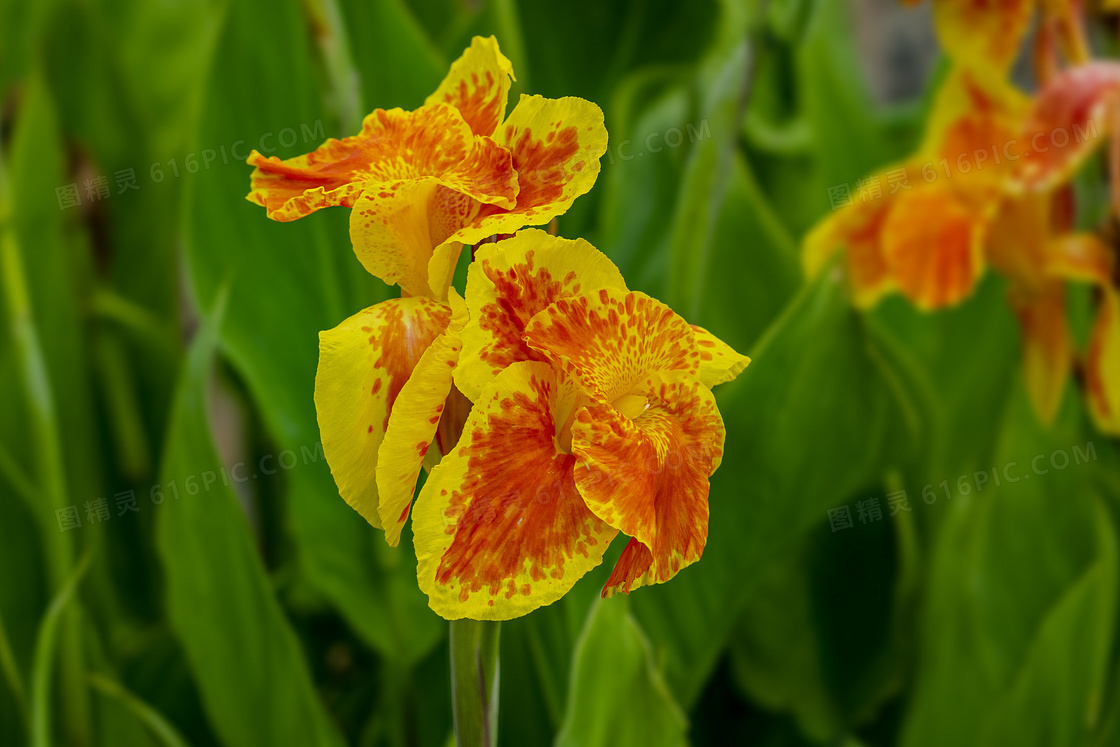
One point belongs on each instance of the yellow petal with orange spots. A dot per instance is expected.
(363, 364)
(393, 146)
(1047, 349)
(556, 145)
(611, 341)
(511, 281)
(857, 230)
(500, 528)
(1102, 364)
(414, 423)
(719, 363)
(1071, 117)
(647, 474)
(933, 245)
(478, 85)
(1019, 241)
(982, 34)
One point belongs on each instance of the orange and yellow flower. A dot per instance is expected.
(420, 185)
(926, 240)
(593, 414)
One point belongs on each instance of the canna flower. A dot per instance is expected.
(593, 414)
(925, 239)
(1079, 103)
(420, 185)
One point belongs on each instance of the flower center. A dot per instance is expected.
(631, 405)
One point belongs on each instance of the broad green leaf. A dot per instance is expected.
(1021, 609)
(294, 280)
(617, 697)
(244, 655)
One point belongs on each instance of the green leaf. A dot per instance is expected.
(244, 654)
(1021, 608)
(294, 280)
(617, 698)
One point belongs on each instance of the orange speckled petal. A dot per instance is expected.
(511, 281)
(648, 476)
(857, 230)
(719, 362)
(393, 146)
(611, 341)
(1102, 365)
(1047, 350)
(933, 244)
(413, 423)
(982, 34)
(478, 85)
(1071, 117)
(556, 146)
(500, 528)
(363, 364)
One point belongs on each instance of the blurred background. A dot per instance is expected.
(899, 552)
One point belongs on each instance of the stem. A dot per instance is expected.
(474, 682)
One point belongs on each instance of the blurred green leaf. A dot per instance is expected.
(617, 697)
(293, 280)
(1020, 615)
(244, 654)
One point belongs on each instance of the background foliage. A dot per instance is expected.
(156, 338)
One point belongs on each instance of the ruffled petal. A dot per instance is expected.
(982, 34)
(933, 245)
(719, 362)
(857, 230)
(500, 528)
(393, 146)
(647, 475)
(363, 364)
(1102, 364)
(556, 146)
(413, 424)
(1071, 117)
(613, 340)
(511, 281)
(478, 85)
(1047, 349)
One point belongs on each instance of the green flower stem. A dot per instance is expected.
(474, 682)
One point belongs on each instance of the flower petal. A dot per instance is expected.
(858, 231)
(1075, 108)
(478, 85)
(648, 476)
(363, 364)
(511, 281)
(395, 229)
(413, 424)
(556, 146)
(500, 528)
(719, 363)
(1102, 365)
(1047, 350)
(982, 34)
(393, 146)
(1080, 257)
(933, 244)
